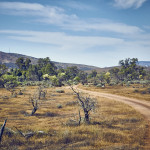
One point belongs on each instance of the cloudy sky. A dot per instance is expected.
(92, 32)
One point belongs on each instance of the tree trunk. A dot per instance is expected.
(33, 111)
(86, 113)
(2, 130)
(79, 118)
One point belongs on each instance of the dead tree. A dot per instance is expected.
(2, 130)
(40, 93)
(11, 89)
(35, 106)
(36, 98)
(87, 105)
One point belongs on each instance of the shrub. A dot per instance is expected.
(136, 91)
(143, 92)
(60, 91)
(59, 106)
(9, 78)
(72, 103)
(99, 85)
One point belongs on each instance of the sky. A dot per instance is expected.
(91, 32)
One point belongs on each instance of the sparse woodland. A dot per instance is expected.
(42, 108)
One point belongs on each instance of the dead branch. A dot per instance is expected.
(2, 129)
(25, 135)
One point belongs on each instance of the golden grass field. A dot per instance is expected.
(113, 124)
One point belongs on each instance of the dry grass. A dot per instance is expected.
(113, 124)
(133, 91)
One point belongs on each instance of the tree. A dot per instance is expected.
(101, 77)
(20, 63)
(107, 77)
(3, 69)
(27, 63)
(83, 77)
(93, 74)
(87, 105)
(130, 70)
(115, 73)
(71, 72)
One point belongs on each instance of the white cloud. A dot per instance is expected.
(125, 4)
(62, 40)
(21, 6)
(67, 42)
(58, 17)
(91, 50)
(104, 27)
(50, 13)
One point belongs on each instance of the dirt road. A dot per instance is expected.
(139, 105)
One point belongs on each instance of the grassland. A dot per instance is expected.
(113, 124)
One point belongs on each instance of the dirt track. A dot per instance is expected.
(139, 105)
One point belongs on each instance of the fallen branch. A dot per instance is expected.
(25, 135)
(2, 130)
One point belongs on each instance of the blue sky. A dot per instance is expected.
(92, 32)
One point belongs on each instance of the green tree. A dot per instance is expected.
(3, 69)
(27, 63)
(20, 63)
(115, 73)
(130, 70)
(71, 72)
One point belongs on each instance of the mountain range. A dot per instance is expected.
(9, 60)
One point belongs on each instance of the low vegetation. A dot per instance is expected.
(42, 113)
(50, 127)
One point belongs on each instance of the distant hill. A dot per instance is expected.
(144, 63)
(9, 60)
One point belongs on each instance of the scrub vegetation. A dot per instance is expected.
(52, 127)
(43, 109)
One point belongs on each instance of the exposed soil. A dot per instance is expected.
(139, 105)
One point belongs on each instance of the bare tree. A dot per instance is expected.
(11, 89)
(87, 105)
(2, 130)
(40, 93)
(35, 106)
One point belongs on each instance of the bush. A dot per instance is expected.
(72, 103)
(143, 92)
(9, 78)
(99, 85)
(60, 91)
(59, 106)
(136, 91)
